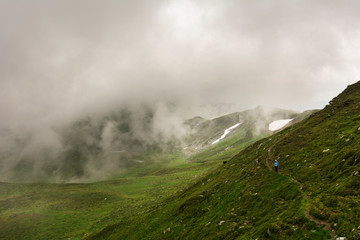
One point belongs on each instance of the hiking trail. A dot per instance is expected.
(318, 222)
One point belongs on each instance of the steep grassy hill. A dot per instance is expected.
(254, 126)
(147, 176)
(245, 135)
(315, 195)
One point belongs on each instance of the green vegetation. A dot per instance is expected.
(315, 195)
(243, 199)
(227, 147)
(254, 125)
(61, 211)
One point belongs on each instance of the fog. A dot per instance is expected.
(62, 61)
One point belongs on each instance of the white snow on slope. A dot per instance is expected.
(226, 132)
(278, 124)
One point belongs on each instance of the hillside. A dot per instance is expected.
(97, 147)
(58, 211)
(315, 195)
(205, 143)
(246, 126)
(75, 210)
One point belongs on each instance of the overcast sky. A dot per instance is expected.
(62, 58)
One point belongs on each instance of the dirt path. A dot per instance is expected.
(318, 222)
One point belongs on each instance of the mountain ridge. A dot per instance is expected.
(243, 199)
(227, 191)
(88, 146)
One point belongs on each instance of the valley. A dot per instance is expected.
(225, 190)
(184, 120)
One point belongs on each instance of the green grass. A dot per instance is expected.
(240, 199)
(61, 211)
(243, 199)
(226, 149)
(205, 199)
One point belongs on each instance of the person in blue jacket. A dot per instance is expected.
(276, 164)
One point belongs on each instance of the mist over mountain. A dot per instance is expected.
(162, 63)
(313, 195)
(163, 119)
(101, 145)
(253, 122)
(94, 146)
(64, 62)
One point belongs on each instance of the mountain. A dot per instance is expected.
(225, 191)
(253, 122)
(103, 145)
(106, 143)
(223, 137)
(315, 194)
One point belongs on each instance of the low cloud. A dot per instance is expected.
(62, 61)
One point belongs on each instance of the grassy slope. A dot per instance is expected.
(61, 211)
(254, 123)
(58, 211)
(227, 147)
(250, 201)
(242, 137)
(243, 199)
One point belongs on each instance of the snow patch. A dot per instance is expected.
(278, 124)
(226, 132)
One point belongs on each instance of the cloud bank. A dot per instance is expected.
(63, 60)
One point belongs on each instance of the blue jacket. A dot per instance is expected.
(276, 163)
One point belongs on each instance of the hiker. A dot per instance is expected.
(276, 164)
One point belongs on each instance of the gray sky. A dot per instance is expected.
(62, 59)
